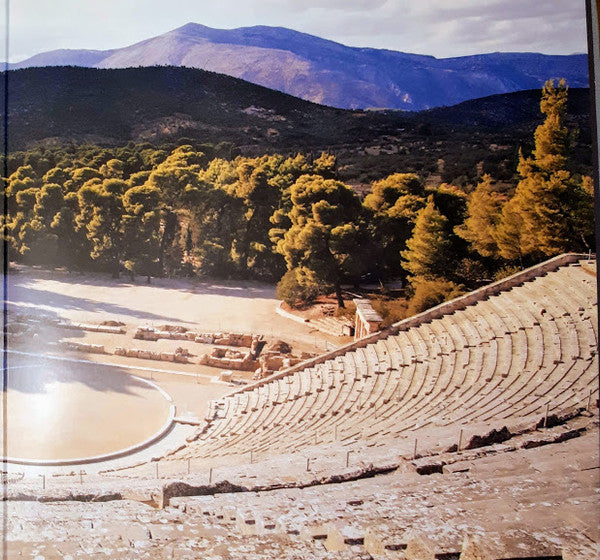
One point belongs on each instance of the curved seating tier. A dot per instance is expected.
(506, 359)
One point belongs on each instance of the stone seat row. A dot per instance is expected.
(503, 359)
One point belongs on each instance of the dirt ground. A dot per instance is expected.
(245, 307)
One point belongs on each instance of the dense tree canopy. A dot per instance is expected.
(184, 209)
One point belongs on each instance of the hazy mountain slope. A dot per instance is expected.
(64, 106)
(118, 105)
(64, 57)
(330, 73)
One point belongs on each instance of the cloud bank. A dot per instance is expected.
(441, 28)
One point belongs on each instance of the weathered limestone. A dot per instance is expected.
(374, 542)
(180, 356)
(112, 329)
(335, 540)
(181, 333)
(367, 320)
(230, 359)
(84, 347)
(474, 549)
(419, 547)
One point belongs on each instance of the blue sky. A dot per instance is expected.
(437, 27)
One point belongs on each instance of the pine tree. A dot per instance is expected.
(484, 212)
(427, 256)
(324, 242)
(550, 212)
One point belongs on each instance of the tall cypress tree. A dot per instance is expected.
(550, 207)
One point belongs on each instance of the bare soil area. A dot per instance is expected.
(244, 307)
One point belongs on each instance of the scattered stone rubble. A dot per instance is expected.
(180, 356)
(103, 327)
(181, 333)
(83, 347)
(230, 359)
(276, 356)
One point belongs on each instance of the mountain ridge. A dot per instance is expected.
(68, 106)
(330, 73)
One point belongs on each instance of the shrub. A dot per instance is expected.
(505, 272)
(295, 293)
(391, 310)
(429, 293)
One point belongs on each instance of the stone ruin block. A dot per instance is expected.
(84, 347)
(167, 357)
(180, 359)
(226, 375)
(204, 339)
(419, 547)
(146, 333)
(474, 549)
(179, 336)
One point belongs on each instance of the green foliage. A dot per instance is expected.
(296, 291)
(141, 229)
(429, 292)
(484, 211)
(391, 310)
(551, 137)
(428, 255)
(193, 207)
(505, 272)
(551, 210)
(101, 217)
(325, 234)
(393, 204)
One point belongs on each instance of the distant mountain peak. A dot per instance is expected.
(330, 73)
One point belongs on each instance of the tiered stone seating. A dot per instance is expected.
(500, 357)
(500, 360)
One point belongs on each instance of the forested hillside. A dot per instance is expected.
(199, 209)
(171, 106)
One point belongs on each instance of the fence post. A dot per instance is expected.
(546, 415)
(415, 450)
(460, 436)
(308, 464)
